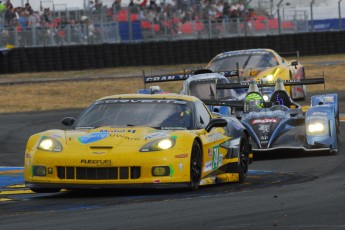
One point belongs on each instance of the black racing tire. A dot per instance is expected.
(195, 166)
(243, 160)
(45, 190)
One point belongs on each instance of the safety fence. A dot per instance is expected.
(80, 57)
(62, 26)
(145, 31)
(80, 27)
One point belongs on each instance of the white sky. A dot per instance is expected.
(323, 9)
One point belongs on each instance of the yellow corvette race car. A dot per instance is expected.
(261, 65)
(142, 141)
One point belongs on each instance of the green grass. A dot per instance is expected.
(70, 95)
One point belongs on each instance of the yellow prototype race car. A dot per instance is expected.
(139, 141)
(261, 65)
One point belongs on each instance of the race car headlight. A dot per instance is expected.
(50, 144)
(160, 144)
(269, 77)
(316, 128)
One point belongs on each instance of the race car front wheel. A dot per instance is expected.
(243, 159)
(241, 166)
(195, 166)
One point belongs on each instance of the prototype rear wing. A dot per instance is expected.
(167, 78)
(230, 103)
(245, 84)
(239, 104)
(182, 77)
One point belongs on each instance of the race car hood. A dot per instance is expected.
(252, 73)
(265, 126)
(259, 73)
(108, 136)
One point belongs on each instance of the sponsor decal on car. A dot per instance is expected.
(172, 171)
(244, 52)
(117, 131)
(180, 166)
(216, 161)
(210, 152)
(264, 128)
(100, 162)
(320, 118)
(319, 113)
(264, 137)
(93, 137)
(167, 101)
(329, 99)
(264, 120)
(98, 152)
(214, 136)
(276, 114)
(168, 78)
(208, 166)
(156, 135)
(124, 137)
(215, 157)
(173, 128)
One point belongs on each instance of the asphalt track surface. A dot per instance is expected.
(285, 190)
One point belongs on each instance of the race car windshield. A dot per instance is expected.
(245, 61)
(159, 114)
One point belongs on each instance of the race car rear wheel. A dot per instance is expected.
(45, 190)
(195, 166)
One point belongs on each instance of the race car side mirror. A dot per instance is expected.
(68, 121)
(216, 122)
(294, 63)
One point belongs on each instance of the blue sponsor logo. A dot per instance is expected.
(93, 137)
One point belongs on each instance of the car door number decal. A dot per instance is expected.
(216, 157)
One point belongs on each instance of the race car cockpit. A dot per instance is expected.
(281, 97)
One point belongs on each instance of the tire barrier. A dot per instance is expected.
(80, 57)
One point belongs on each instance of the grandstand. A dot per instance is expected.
(80, 22)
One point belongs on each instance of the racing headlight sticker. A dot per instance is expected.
(159, 144)
(50, 144)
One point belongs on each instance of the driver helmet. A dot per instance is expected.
(253, 98)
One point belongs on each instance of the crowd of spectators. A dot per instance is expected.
(187, 10)
(178, 12)
(167, 13)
